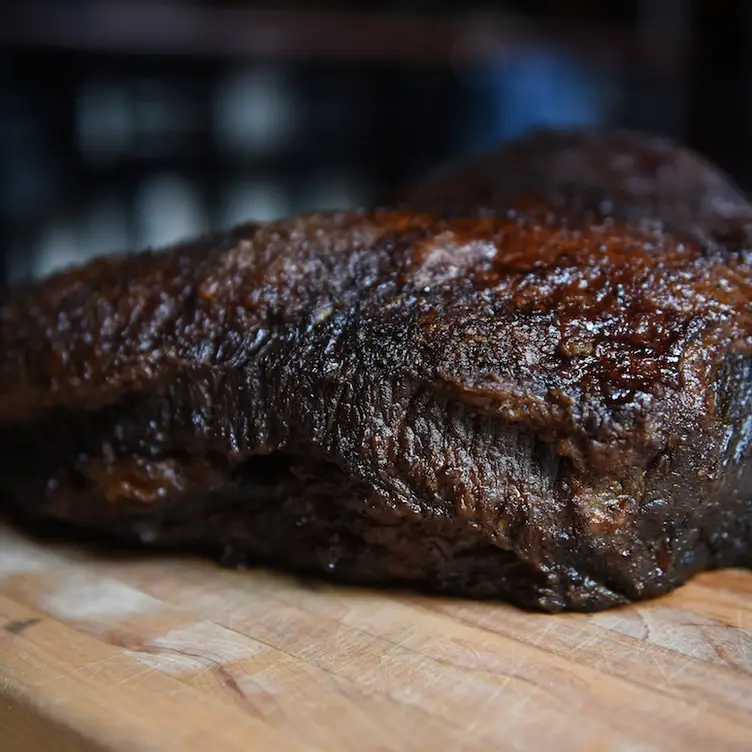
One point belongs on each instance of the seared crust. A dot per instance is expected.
(549, 412)
(573, 331)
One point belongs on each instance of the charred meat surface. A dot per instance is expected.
(588, 176)
(489, 407)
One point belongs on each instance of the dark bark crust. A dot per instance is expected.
(555, 410)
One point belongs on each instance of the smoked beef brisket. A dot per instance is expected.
(555, 413)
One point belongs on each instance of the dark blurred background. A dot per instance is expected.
(132, 124)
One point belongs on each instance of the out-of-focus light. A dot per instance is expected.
(520, 89)
(168, 209)
(255, 112)
(59, 247)
(260, 200)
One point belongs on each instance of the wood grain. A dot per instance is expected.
(104, 653)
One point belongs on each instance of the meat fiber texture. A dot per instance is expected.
(551, 406)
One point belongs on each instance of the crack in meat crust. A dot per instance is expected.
(553, 414)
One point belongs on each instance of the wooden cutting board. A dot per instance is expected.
(101, 653)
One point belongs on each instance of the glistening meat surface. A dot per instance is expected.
(493, 407)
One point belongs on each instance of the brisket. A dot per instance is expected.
(552, 413)
(589, 176)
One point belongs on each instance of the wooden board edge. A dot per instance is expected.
(24, 727)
